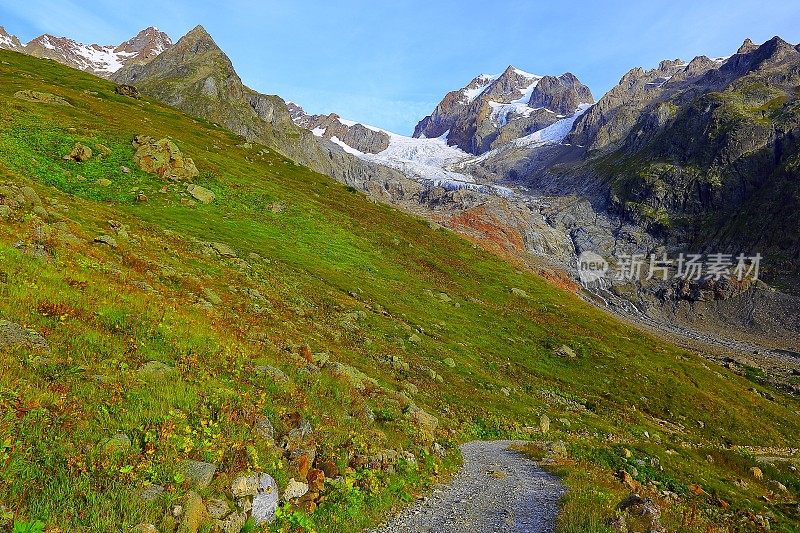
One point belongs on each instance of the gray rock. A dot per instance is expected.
(275, 374)
(566, 352)
(12, 334)
(108, 240)
(234, 523)
(265, 503)
(5, 212)
(264, 429)
(151, 492)
(223, 249)
(198, 473)
(201, 194)
(217, 508)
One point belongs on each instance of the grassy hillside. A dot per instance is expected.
(407, 317)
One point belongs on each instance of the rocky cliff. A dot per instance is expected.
(491, 111)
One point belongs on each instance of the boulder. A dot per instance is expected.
(294, 489)
(265, 502)
(163, 158)
(127, 90)
(5, 212)
(194, 513)
(201, 194)
(79, 153)
(198, 473)
(12, 334)
(245, 485)
(218, 508)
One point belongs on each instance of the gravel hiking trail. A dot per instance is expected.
(497, 490)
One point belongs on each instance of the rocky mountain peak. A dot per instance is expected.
(747, 46)
(561, 95)
(8, 41)
(147, 44)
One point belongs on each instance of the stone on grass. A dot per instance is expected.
(275, 374)
(198, 473)
(294, 489)
(36, 96)
(151, 492)
(234, 523)
(566, 352)
(194, 513)
(5, 212)
(264, 429)
(163, 158)
(223, 249)
(201, 194)
(79, 153)
(265, 502)
(12, 335)
(127, 90)
(108, 240)
(245, 485)
(217, 508)
(448, 361)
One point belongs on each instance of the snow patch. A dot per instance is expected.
(554, 133)
(346, 147)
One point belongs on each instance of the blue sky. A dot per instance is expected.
(389, 63)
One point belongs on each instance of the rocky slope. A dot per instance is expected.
(493, 110)
(196, 76)
(97, 59)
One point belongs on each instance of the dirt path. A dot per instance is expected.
(497, 490)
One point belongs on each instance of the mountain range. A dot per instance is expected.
(223, 313)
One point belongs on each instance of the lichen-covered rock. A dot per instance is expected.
(194, 513)
(163, 158)
(201, 194)
(36, 96)
(79, 153)
(12, 334)
(294, 489)
(127, 90)
(245, 485)
(198, 473)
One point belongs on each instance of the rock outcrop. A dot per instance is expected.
(492, 111)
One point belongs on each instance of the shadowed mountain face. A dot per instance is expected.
(493, 110)
(197, 77)
(709, 156)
